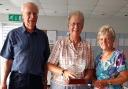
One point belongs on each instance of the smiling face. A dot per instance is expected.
(106, 38)
(30, 15)
(105, 42)
(75, 25)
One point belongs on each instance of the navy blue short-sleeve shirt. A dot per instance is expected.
(29, 51)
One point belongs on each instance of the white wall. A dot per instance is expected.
(44, 22)
(119, 24)
(52, 23)
(91, 24)
(0, 46)
(0, 35)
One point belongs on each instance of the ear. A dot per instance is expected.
(68, 32)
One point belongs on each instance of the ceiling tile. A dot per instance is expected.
(90, 8)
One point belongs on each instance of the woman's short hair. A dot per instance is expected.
(106, 30)
(76, 13)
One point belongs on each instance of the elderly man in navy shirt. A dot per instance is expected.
(26, 50)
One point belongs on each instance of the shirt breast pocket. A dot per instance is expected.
(20, 45)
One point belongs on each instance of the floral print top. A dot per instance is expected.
(110, 68)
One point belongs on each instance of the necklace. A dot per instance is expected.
(77, 50)
(106, 56)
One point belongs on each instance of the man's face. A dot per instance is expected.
(30, 15)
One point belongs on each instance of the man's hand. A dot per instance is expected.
(45, 87)
(3, 86)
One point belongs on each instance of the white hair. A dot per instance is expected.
(107, 29)
(29, 3)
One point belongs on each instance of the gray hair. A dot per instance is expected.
(76, 13)
(106, 30)
(29, 3)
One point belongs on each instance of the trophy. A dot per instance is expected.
(77, 67)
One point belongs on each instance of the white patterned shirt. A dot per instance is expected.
(76, 59)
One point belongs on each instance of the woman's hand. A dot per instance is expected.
(68, 74)
(100, 84)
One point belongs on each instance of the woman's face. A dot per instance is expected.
(75, 25)
(105, 42)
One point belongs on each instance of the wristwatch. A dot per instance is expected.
(63, 72)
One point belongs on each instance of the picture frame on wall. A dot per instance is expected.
(51, 36)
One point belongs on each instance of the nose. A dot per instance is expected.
(76, 25)
(104, 40)
(33, 15)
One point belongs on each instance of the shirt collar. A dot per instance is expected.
(69, 41)
(24, 29)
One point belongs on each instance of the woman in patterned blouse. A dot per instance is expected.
(110, 64)
(71, 61)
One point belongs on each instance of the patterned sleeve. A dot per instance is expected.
(120, 63)
(55, 53)
(97, 59)
(126, 61)
(90, 58)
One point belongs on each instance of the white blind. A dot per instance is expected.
(4, 29)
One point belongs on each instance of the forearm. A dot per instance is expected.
(6, 70)
(44, 81)
(45, 74)
(53, 68)
(116, 81)
(89, 75)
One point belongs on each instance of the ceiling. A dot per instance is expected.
(91, 8)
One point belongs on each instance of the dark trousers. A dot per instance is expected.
(25, 81)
